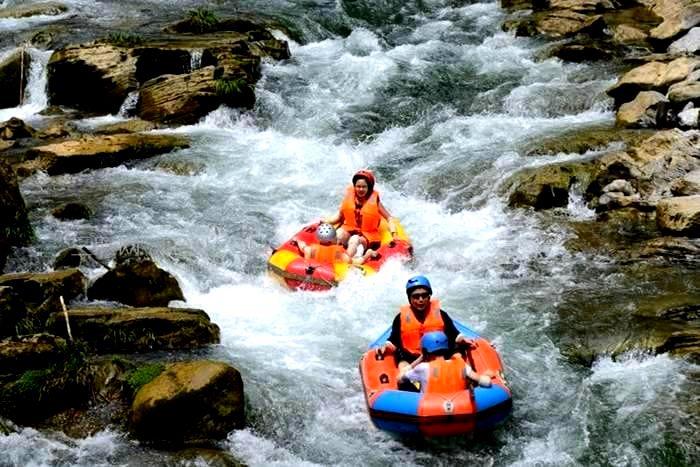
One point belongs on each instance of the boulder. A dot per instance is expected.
(68, 258)
(684, 92)
(14, 73)
(24, 11)
(96, 152)
(24, 353)
(92, 78)
(641, 112)
(543, 187)
(129, 330)
(36, 288)
(582, 140)
(652, 76)
(14, 129)
(139, 283)
(184, 99)
(580, 52)
(678, 16)
(72, 211)
(14, 222)
(565, 23)
(688, 185)
(12, 310)
(688, 44)
(189, 403)
(679, 215)
(583, 5)
(689, 118)
(650, 166)
(627, 34)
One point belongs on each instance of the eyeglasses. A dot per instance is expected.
(417, 296)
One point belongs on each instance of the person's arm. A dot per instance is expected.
(454, 337)
(336, 218)
(394, 341)
(415, 374)
(389, 219)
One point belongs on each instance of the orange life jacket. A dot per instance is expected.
(327, 253)
(446, 376)
(412, 330)
(366, 219)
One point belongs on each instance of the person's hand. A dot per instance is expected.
(385, 348)
(484, 381)
(465, 341)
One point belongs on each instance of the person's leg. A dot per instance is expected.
(343, 236)
(354, 242)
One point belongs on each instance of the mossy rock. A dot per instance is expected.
(580, 141)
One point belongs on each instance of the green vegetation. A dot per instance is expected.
(227, 88)
(202, 20)
(123, 39)
(143, 375)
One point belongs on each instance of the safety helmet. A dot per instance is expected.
(325, 233)
(418, 281)
(432, 342)
(367, 175)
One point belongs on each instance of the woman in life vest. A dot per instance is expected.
(439, 373)
(422, 315)
(360, 214)
(328, 250)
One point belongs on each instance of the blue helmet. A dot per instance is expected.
(432, 342)
(418, 281)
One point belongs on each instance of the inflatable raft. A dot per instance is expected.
(435, 414)
(287, 263)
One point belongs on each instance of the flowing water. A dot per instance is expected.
(435, 99)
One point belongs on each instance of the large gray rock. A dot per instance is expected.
(189, 403)
(129, 330)
(688, 44)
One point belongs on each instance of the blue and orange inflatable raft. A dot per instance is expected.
(288, 265)
(435, 414)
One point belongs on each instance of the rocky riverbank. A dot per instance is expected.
(640, 177)
(80, 355)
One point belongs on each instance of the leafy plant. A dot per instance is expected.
(143, 375)
(230, 87)
(202, 20)
(123, 39)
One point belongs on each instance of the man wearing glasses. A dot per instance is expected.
(422, 315)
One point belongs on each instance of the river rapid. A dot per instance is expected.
(439, 102)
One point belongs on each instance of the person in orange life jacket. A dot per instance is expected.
(437, 373)
(420, 316)
(360, 214)
(329, 250)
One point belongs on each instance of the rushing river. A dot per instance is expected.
(438, 101)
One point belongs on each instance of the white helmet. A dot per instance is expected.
(325, 233)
